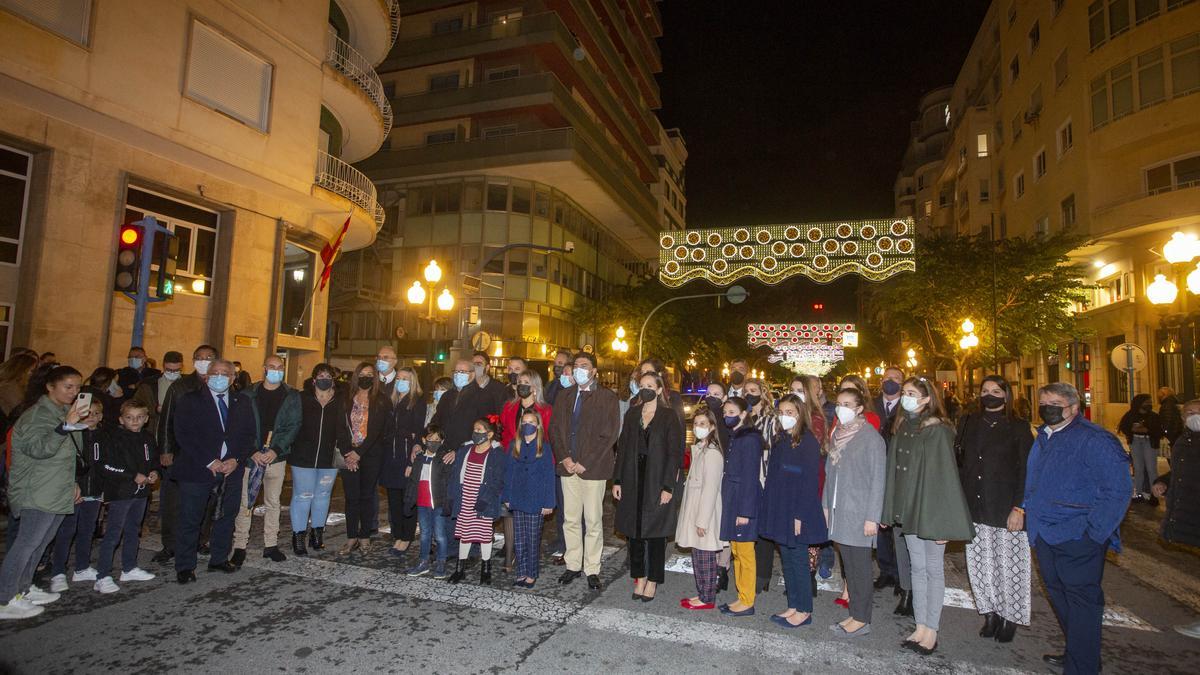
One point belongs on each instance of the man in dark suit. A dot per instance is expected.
(152, 392)
(887, 406)
(216, 429)
(495, 391)
(461, 406)
(562, 361)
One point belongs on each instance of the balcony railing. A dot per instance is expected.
(340, 178)
(394, 19)
(347, 61)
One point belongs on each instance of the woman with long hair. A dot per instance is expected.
(857, 383)
(322, 431)
(645, 480)
(700, 510)
(14, 376)
(993, 447)
(368, 422)
(762, 415)
(741, 494)
(529, 489)
(529, 398)
(924, 500)
(399, 450)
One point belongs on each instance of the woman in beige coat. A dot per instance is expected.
(699, 524)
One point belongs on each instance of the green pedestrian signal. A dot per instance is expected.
(167, 288)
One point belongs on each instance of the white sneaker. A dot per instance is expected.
(39, 597)
(19, 608)
(58, 583)
(497, 540)
(136, 574)
(106, 585)
(84, 575)
(1190, 630)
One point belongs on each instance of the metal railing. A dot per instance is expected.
(347, 61)
(339, 177)
(393, 7)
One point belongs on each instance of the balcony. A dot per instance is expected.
(374, 25)
(344, 180)
(645, 77)
(353, 92)
(1148, 211)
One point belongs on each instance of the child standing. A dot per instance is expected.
(78, 527)
(700, 515)
(529, 493)
(129, 464)
(741, 493)
(474, 491)
(426, 494)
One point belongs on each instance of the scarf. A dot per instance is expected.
(842, 434)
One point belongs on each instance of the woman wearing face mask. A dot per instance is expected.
(475, 492)
(790, 513)
(399, 449)
(529, 400)
(762, 417)
(993, 447)
(368, 421)
(529, 491)
(860, 385)
(741, 493)
(855, 477)
(812, 395)
(1143, 430)
(322, 431)
(700, 511)
(440, 386)
(925, 501)
(103, 386)
(646, 477)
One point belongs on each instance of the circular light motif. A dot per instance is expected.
(719, 265)
(672, 267)
(814, 234)
(820, 262)
(830, 246)
(904, 246)
(698, 254)
(849, 247)
(885, 244)
(779, 248)
(763, 236)
(741, 236)
(874, 260)
(693, 238)
(747, 252)
(792, 233)
(681, 252)
(844, 230)
(797, 250)
(867, 232)
(729, 250)
(899, 228)
(768, 263)
(714, 239)
(667, 241)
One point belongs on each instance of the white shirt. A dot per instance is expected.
(387, 379)
(217, 403)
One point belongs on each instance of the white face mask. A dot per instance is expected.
(201, 365)
(702, 433)
(788, 422)
(800, 395)
(845, 415)
(1193, 423)
(171, 375)
(910, 403)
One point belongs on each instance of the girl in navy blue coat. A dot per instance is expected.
(474, 492)
(529, 493)
(741, 493)
(790, 513)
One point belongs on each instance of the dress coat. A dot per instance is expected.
(792, 492)
(639, 513)
(408, 425)
(741, 490)
(701, 503)
(1181, 524)
(923, 493)
(854, 487)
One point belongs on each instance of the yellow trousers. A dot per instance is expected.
(745, 572)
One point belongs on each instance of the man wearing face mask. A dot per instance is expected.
(495, 392)
(1077, 490)
(385, 368)
(561, 377)
(168, 448)
(516, 366)
(887, 405)
(739, 370)
(215, 430)
(278, 414)
(152, 392)
(1143, 429)
(458, 408)
(132, 375)
(1181, 488)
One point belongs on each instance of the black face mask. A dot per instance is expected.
(1147, 409)
(524, 390)
(323, 384)
(479, 437)
(433, 446)
(753, 399)
(1051, 414)
(365, 381)
(737, 377)
(512, 378)
(647, 395)
(989, 401)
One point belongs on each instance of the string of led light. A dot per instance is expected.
(774, 334)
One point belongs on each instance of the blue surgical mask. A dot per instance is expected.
(218, 383)
(274, 376)
(382, 366)
(732, 421)
(528, 429)
(461, 380)
(403, 386)
(437, 395)
(565, 380)
(135, 362)
(582, 376)
(633, 387)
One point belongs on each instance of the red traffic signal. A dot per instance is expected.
(129, 258)
(818, 306)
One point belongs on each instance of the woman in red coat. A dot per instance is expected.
(529, 399)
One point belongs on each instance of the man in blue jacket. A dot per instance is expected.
(216, 431)
(1077, 490)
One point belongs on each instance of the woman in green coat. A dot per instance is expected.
(924, 500)
(41, 488)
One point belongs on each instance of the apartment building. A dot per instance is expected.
(523, 128)
(233, 123)
(1083, 116)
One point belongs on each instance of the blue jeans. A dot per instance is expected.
(123, 527)
(1072, 572)
(16, 572)
(796, 577)
(193, 505)
(311, 489)
(434, 525)
(78, 528)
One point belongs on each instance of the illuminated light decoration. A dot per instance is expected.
(1161, 291)
(776, 334)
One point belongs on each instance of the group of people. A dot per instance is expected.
(889, 478)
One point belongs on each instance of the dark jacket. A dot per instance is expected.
(639, 513)
(164, 433)
(87, 457)
(287, 421)
(197, 428)
(1148, 418)
(923, 493)
(1181, 525)
(741, 491)
(595, 434)
(792, 493)
(496, 392)
(529, 481)
(322, 432)
(886, 421)
(1169, 416)
(491, 488)
(992, 464)
(147, 393)
(510, 425)
(129, 379)
(379, 429)
(459, 408)
(408, 425)
(123, 457)
(550, 393)
(438, 478)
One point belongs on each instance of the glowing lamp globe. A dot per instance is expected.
(445, 301)
(416, 294)
(1161, 291)
(433, 273)
(1181, 248)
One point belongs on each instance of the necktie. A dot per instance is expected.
(223, 409)
(578, 401)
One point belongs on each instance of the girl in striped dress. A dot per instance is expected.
(474, 493)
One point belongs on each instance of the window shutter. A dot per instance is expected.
(223, 75)
(68, 18)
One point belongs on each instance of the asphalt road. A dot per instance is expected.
(324, 614)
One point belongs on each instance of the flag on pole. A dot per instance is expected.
(329, 253)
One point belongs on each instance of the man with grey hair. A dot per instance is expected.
(1076, 493)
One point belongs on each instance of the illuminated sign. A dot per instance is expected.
(775, 334)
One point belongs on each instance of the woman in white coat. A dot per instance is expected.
(700, 514)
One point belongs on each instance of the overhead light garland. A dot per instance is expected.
(873, 249)
(775, 334)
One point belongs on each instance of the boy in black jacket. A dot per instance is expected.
(426, 494)
(129, 464)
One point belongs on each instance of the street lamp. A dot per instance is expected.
(619, 345)
(1182, 248)
(912, 358)
(1161, 291)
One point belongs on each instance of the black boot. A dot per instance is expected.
(316, 538)
(298, 544)
(1006, 630)
(485, 572)
(905, 608)
(722, 578)
(460, 571)
(991, 621)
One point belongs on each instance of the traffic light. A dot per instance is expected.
(129, 258)
(818, 306)
(168, 254)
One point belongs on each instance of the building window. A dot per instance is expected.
(228, 78)
(445, 136)
(981, 145)
(1019, 184)
(1118, 17)
(1099, 89)
(1066, 138)
(502, 73)
(66, 18)
(1058, 6)
(1039, 164)
(452, 25)
(1121, 88)
(927, 209)
(1067, 210)
(1175, 175)
(1118, 380)
(504, 15)
(1151, 84)
(497, 197)
(1097, 33)
(1041, 226)
(443, 81)
(1035, 37)
(1003, 226)
(1014, 69)
(14, 202)
(921, 181)
(998, 133)
(984, 190)
(6, 322)
(1185, 65)
(496, 132)
(1035, 101)
(962, 158)
(1144, 10)
(1060, 69)
(1016, 126)
(194, 225)
(295, 290)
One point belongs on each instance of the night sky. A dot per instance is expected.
(799, 110)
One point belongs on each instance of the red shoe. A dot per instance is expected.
(687, 604)
(842, 602)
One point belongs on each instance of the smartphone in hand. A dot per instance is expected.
(83, 403)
